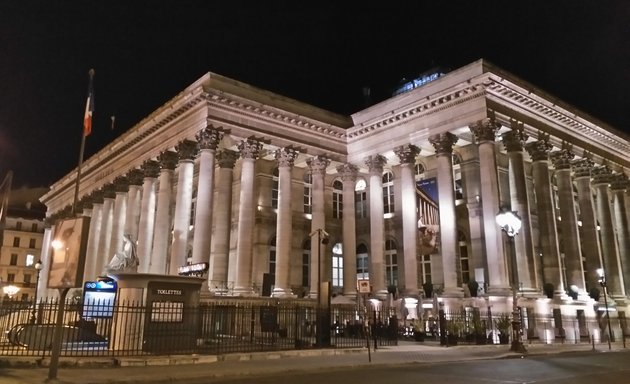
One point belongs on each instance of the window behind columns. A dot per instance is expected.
(425, 264)
(391, 264)
(337, 199)
(362, 262)
(337, 266)
(360, 200)
(306, 262)
(308, 193)
(463, 257)
(457, 177)
(272, 256)
(274, 188)
(193, 208)
(388, 192)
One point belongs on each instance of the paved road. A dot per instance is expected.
(576, 368)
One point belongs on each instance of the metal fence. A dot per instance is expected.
(218, 327)
(474, 327)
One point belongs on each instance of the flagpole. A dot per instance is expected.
(84, 133)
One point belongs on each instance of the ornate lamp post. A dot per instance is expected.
(602, 282)
(510, 223)
(38, 268)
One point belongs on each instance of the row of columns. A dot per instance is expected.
(132, 205)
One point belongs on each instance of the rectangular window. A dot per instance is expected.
(360, 204)
(337, 205)
(31, 243)
(16, 241)
(27, 279)
(14, 258)
(308, 199)
(426, 268)
(18, 225)
(337, 271)
(11, 277)
(306, 257)
(34, 227)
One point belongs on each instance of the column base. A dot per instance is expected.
(282, 293)
(241, 291)
(499, 291)
(457, 292)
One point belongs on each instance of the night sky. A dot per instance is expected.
(322, 53)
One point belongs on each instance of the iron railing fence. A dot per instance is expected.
(213, 327)
(475, 327)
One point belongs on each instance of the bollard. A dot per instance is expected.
(593, 341)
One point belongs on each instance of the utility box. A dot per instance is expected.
(171, 320)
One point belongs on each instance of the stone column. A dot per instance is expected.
(376, 270)
(187, 151)
(569, 223)
(134, 199)
(484, 132)
(523, 244)
(208, 139)
(161, 235)
(49, 230)
(121, 186)
(551, 265)
(443, 144)
(91, 254)
(250, 150)
(407, 155)
(317, 166)
(602, 177)
(348, 174)
(151, 170)
(105, 238)
(618, 186)
(284, 223)
(218, 271)
(591, 246)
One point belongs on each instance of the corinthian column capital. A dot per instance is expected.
(375, 163)
(443, 143)
(250, 148)
(286, 156)
(407, 153)
(209, 138)
(484, 130)
(318, 164)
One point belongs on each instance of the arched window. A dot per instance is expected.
(337, 199)
(306, 263)
(308, 193)
(391, 264)
(337, 266)
(362, 262)
(272, 256)
(463, 256)
(388, 192)
(274, 188)
(360, 199)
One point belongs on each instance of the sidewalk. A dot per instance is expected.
(189, 369)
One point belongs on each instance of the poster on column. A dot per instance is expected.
(68, 254)
(428, 214)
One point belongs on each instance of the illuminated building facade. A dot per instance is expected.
(407, 191)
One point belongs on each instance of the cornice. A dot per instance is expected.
(422, 108)
(271, 115)
(562, 118)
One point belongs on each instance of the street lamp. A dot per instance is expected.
(38, 268)
(602, 282)
(10, 290)
(510, 223)
(323, 319)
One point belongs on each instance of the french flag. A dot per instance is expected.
(89, 108)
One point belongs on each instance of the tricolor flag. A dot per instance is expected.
(89, 107)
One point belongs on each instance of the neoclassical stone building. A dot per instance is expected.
(248, 181)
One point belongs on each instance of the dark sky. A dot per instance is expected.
(323, 53)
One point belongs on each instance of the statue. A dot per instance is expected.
(127, 260)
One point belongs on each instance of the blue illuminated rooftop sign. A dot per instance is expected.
(418, 82)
